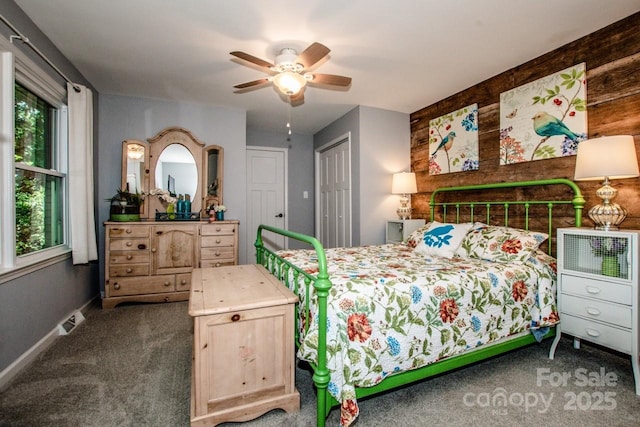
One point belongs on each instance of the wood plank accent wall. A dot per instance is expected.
(612, 57)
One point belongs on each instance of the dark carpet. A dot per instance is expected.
(131, 366)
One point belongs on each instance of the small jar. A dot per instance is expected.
(212, 215)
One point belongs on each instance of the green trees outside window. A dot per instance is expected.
(38, 185)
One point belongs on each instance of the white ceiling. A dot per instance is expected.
(402, 55)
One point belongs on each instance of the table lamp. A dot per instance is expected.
(609, 157)
(404, 183)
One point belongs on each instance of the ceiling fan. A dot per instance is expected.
(290, 72)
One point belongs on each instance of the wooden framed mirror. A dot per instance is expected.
(135, 168)
(175, 159)
(212, 176)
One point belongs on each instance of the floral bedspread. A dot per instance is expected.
(391, 309)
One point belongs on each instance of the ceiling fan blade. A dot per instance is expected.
(297, 99)
(252, 59)
(312, 55)
(331, 79)
(252, 83)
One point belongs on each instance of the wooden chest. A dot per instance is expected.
(244, 353)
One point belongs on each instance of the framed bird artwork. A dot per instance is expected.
(545, 118)
(453, 141)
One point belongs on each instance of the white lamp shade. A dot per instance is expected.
(404, 183)
(609, 156)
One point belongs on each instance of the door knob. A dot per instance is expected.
(280, 215)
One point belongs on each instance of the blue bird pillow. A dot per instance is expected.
(442, 239)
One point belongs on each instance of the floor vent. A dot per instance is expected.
(70, 324)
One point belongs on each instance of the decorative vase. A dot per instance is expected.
(610, 266)
(220, 215)
(171, 209)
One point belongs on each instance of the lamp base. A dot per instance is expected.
(404, 211)
(607, 215)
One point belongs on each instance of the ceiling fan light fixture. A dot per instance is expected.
(289, 83)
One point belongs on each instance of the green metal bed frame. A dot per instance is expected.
(283, 269)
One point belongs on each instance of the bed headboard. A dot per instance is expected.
(522, 204)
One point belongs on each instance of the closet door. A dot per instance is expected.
(334, 170)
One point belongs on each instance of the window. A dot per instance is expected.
(33, 165)
(39, 187)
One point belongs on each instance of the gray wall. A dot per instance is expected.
(380, 146)
(32, 305)
(123, 117)
(300, 179)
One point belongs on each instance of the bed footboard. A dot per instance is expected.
(280, 268)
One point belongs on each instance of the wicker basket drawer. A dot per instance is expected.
(141, 285)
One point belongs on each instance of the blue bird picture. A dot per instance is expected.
(544, 124)
(446, 143)
(545, 118)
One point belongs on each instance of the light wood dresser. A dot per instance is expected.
(243, 351)
(152, 261)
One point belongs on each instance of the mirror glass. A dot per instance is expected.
(135, 164)
(176, 171)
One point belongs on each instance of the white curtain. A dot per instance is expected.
(83, 229)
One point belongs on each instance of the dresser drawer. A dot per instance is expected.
(129, 231)
(141, 285)
(129, 244)
(608, 336)
(597, 310)
(212, 263)
(215, 229)
(183, 282)
(223, 252)
(126, 270)
(218, 240)
(600, 289)
(129, 257)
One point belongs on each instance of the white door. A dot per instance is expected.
(266, 196)
(334, 200)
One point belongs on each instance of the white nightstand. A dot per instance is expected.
(398, 230)
(598, 298)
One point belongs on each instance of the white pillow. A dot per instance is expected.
(442, 239)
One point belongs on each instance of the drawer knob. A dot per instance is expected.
(593, 311)
(128, 231)
(129, 270)
(592, 332)
(129, 257)
(129, 244)
(218, 240)
(116, 286)
(153, 250)
(235, 317)
(166, 283)
(593, 290)
(183, 282)
(217, 253)
(218, 228)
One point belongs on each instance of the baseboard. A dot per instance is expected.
(28, 356)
